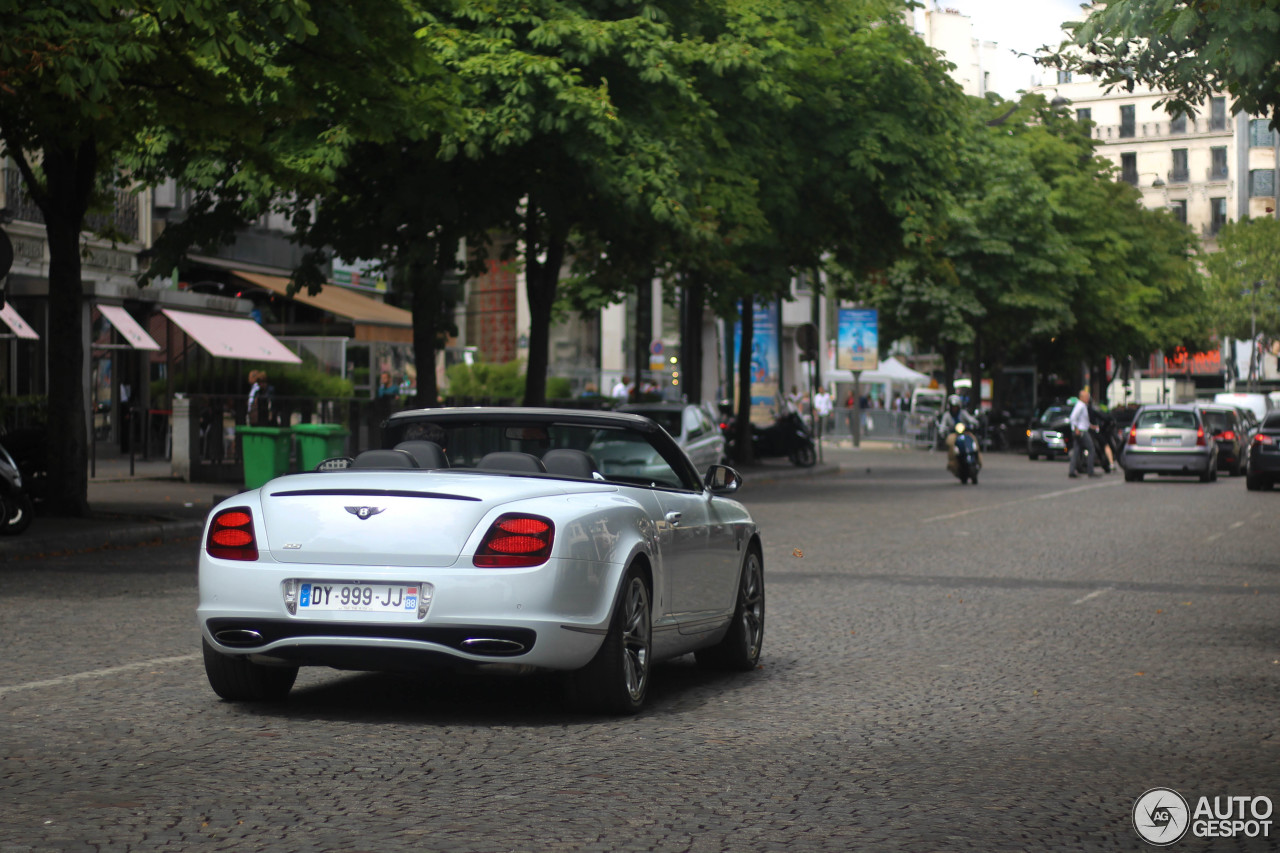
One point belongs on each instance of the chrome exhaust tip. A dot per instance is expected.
(239, 637)
(492, 646)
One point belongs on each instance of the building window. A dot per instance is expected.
(1217, 214)
(1178, 124)
(1179, 174)
(1218, 165)
(1063, 76)
(1260, 134)
(1217, 113)
(1129, 168)
(1262, 183)
(1127, 122)
(1178, 207)
(1084, 114)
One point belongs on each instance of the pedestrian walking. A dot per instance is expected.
(1082, 434)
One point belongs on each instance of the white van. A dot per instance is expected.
(1259, 404)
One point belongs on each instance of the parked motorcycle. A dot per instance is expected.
(968, 463)
(16, 508)
(788, 436)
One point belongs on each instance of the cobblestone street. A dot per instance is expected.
(1000, 667)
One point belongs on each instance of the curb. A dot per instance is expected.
(125, 533)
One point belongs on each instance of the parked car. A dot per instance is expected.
(1231, 431)
(1048, 433)
(1264, 454)
(485, 537)
(1169, 439)
(693, 428)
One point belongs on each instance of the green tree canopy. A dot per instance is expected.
(95, 93)
(1245, 279)
(1190, 49)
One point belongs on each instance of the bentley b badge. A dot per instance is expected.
(363, 512)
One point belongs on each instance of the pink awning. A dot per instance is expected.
(128, 327)
(232, 337)
(15, 322)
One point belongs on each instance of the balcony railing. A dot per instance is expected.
(1155, 130)
(123, 218)
(1179, 176)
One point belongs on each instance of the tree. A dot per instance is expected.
(81, 84)
(1245, 281)
(1041, 252)
(1188, 48)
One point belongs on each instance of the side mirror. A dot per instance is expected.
(722, 480)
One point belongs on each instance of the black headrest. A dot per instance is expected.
(384, 459)
(569, 463)
(428, 453)
(516, 463)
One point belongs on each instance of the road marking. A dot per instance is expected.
(1237, 525)
(1071, 491)
(1094, 594)
(96, 673)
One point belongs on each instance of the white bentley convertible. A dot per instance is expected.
(584, 542)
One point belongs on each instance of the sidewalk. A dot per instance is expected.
(150, 505)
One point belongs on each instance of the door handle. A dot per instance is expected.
(673, 518)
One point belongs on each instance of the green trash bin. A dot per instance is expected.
(265, 451)
(318, 442)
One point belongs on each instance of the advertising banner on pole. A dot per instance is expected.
(858, 339)
(764, 361)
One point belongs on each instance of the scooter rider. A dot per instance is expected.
(955, 414)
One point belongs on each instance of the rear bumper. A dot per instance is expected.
(1150, 460)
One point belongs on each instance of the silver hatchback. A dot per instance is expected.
(1169, 439)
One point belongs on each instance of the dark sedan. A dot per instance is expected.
(1231, 433)
(1264, 454)
(1047, 436)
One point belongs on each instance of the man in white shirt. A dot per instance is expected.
(1082, 434)
(821, 409)
(622, 390)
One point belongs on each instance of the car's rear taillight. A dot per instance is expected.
(1200, 442)
(516, 541)
(231, 535)
(1263, 439)
(1228, 435)
(1133, 435)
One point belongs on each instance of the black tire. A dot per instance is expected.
(236, 678)
(1033, 456)
(1257, 482)
(805, 456)
(616, 681)
(739, 650)
(1132, 476)
(20, 512)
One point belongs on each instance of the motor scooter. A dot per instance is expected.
(16, 508)
(787, 436)
(968, 463)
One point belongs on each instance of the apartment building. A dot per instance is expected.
(1207, 169)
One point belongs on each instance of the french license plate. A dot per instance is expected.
(1167, 441)
(359, 597)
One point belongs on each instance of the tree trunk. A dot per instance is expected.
(691, 340)
(643, 330)
(424, 280)
(70, 175)
(541, 279)
(746, 453)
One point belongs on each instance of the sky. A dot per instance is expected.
(1021, 25)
